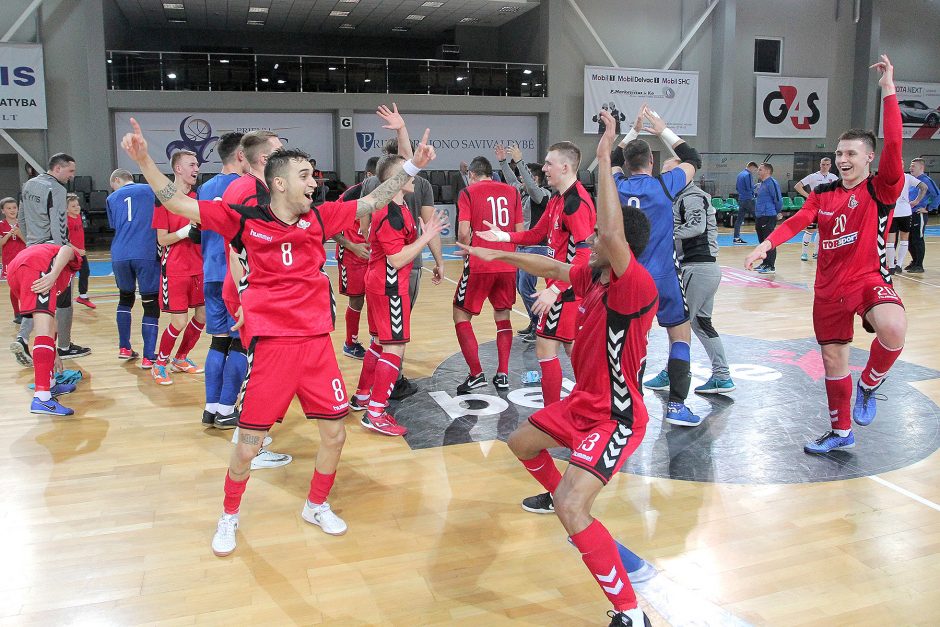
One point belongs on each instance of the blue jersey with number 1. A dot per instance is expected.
(214, 266)
(130, 212)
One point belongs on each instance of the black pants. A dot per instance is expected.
(765, 226)
(916, 246)
(83, 274)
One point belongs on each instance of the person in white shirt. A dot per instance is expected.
(901, 222)
(803, 188)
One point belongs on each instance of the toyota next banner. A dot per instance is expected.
(22, 87)
(791, 107)
(622, 91)
(920, 109)
(199, 131)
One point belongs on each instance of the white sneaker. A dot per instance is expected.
(266, 442)
(223, 542)
(268, 459)
(322, 516)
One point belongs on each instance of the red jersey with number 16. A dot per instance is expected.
(284, 290)
(494, 202)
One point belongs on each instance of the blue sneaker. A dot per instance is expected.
(829, 442)
(865, 406)
(50, 407)
(659, 382)
(62, 388)
(530, 377)
(804, 257)
(354, 350)
(680, 415)
(767, 270)
(716, 386)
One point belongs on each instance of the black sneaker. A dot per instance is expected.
(356, 405)
(208, 417)
(17, 319)
(20, 350)
(501, 381)
(73, 351)
(898, 270)
(403, 389)
(530, 338)
(471, 383)
(915, 269)
(621, 619)
(738, 240)
(225, 422)
(526, 330)
(539, 504)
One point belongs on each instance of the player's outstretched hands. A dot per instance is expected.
(434, 225)
(652, 123)
(884, 67)
(544, 299)
(500, 151)
(495, 234)
(134, 143)
(515, 153)
(486, 254)
(424, 153)
(393, 119)
(437, 275)
(758, 254)
(606, 144)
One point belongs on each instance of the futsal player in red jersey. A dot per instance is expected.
(854, 215)
(394, 243)
(288, 310)
(604, 419)
(485, 200)
(567, 223)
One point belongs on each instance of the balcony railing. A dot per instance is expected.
(182, 71)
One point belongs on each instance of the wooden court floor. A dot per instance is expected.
(106, 517)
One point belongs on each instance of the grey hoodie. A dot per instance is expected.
(695, 226)
(42, 211)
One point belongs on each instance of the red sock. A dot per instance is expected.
(367, 374)
(386, 373)
(233, 494)
(839, 394)
(469, 346)
(599, 553)
(503, 344)
(167, 340)
(551, 380)
(43, 362)
(880, 360)
(190, 337)
(352, 325)
(542, 467)
(320, 486)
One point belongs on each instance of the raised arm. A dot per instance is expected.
(691, 161)
(611, 241)
(174, 200)
(381, 195)
(394, 122)
(536, 193)
(889, 182)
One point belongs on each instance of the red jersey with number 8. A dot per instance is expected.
(498, 204)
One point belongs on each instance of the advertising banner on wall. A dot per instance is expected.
(791, 107)
(671, 94)
(920, 110)
(22, 87)
(455, 138)
(169, 131)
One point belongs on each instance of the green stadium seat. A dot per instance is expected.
(798, 202)
(718, 203)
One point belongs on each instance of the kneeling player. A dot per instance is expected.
(36, 277)
(603, 420)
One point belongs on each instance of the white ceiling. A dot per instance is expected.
(372, 17)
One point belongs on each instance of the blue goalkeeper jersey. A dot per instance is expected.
(130, 213)
(654, 196)
(214, 264)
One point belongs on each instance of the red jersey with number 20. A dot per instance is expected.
(610, 346)
(853, 223)
(284, 290)
(494, 202)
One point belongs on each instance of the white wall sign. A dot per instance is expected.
(455, 138)
(22, 87)
(169, 131)
(672, 94)
(791, 107)
(920, 110)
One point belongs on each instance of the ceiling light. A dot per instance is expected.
(177, 21)
(432, 5)
(173, 6)
(256, 22)
(109, 61)
(400, 29)
(275, 65)
(265, 80)
(468, 20)
(526, 71)
(507, 10)
(257, 9)
(171, 75)
(525, 84)
(460, 78)
(223, 60)
(368, 80)
(331, 68)
(348, 1)
(347, 26)
(339, 13)
(538, 84)
(281, 81)
(415, 18)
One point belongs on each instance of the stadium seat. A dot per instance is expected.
(447, 194)
(798, 201)
(718, 203)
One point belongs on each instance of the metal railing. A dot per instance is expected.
(184, 71)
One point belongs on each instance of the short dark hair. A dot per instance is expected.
(387, 166)
(569, 150)
(767, 167)
(637, 155)
(371, 164)
(919, 160)
(536, 170)
(228, 145)
(391, 147)
(179, 154)
(278, 161)
(60, 158)
(253, 142)
(636, 228)
(480, 166)
(751, 164)
(860, 133)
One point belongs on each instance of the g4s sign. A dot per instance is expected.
(791, 107)
(783, 103)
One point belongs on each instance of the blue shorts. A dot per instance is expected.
(218, 319)
(134, 274)
(673, 309)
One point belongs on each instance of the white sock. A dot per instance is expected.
(902, 252)
(842, 433)
(225, 410)
(807, 238)
(44, 395)
(83, 295)
(212, 407)
(889, 253)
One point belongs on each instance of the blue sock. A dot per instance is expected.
(236, 366)
(215, 364)
(148, 330)
(680, 350)
(124, 326)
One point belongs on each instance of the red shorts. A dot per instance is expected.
(179, 294)
(597, 446)
(389, 318)
(352, 279)
(29, 302)
(834, 320)
(473, 289)
(280, 368)
(560, 322)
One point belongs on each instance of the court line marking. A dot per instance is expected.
(910, 278)
(904, 492)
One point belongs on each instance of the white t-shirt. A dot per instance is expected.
(902, 207)
(816, 179)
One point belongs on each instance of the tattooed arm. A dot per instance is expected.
(380, 196)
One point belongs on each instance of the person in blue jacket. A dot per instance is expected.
(768, 205)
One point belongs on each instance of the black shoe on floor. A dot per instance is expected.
(915, 269)
(530, 338)
(73, 351)
(20, 350)
(403, 389)
(622, 619)
(226, 422)
(526, 330)
(471, 383)
(501, 381)
(738, 240)
(17, 319)
(539, 504)
(208, 417)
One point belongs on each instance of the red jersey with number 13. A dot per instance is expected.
(494, 202)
